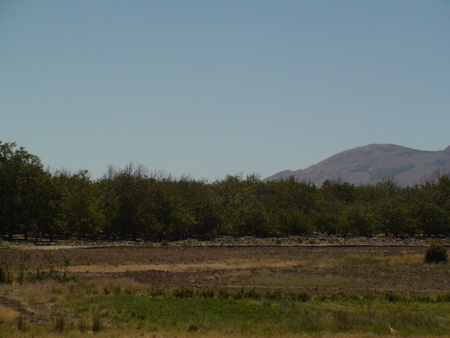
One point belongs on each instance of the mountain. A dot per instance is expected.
(372, 163)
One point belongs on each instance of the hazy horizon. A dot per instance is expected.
(211, 88)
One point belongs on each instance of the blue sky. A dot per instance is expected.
(211, 88)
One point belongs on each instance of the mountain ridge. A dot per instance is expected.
(372, 163)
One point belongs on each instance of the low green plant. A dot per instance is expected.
(22, 324)
(83, 324)
(436, 253)
(157, 292)
(252, 294)
(394, 297)
(223, 294)
(273, 295)
(183, 293)
(206, 293)
(4, 275)
(443, 298)
(194, 327)
(303, 296)
(96, 321)
(60, 323)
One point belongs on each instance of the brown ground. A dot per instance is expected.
(316, 269)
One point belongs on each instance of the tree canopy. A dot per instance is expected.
(135, 203)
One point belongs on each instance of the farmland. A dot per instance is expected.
(167, 289)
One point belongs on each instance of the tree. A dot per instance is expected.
(337, 190)
(79, 207)
(358, 220)
(23, 197)
(127, 201)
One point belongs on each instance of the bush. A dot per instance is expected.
(4, 275)
(22, 324)
(298, 296)
(83, 324)
(157, 292)
(252, 294)
(206, 293)
(96, 321)
(223, 294)
(273, 295)
(436, 253)
(183, 293)
(303, 296)
(444, 297)
(60, 323)
(394, 297)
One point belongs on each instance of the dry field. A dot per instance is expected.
(316, 269)
(343, 275)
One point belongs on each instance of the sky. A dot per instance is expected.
(207, 89)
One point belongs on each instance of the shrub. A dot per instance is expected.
(183, 293)
(273, 295)
(206, 293)
(252, 294)
(303, 296)
(223, 294)
(22, 324)
(96, 321)
(444, 297)
(194, 327)
(83, 324)
(298, 296)
(436, 253)
(4, 275)
(157, 292)
(239, 294)
(394, 297)
(60, 323)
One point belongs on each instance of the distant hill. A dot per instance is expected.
(372, 163)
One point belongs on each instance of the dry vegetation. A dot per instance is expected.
(347, 289)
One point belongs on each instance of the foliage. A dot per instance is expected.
(137, 204)
(436, 253)
(252, 313)
(60, 323)
(4, 275)
(183, 293)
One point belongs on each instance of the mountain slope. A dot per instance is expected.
(370, 164)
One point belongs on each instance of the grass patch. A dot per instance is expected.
(228, 292)
(250, 313)
(8, 315)
(243, 312)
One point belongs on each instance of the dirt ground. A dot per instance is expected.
(316, 269)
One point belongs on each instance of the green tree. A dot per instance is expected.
(24, 202)
(394, 217)
(127, 201)
(79, 208)
(200, 201)
(359, 220)
(337, 190)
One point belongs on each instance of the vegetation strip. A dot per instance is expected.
(134, 203)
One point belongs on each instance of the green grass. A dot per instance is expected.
(263, 317)
(244, 312)
(344, 294)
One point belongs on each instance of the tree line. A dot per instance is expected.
(134, 203)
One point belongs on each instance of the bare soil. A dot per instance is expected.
(316, 269)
